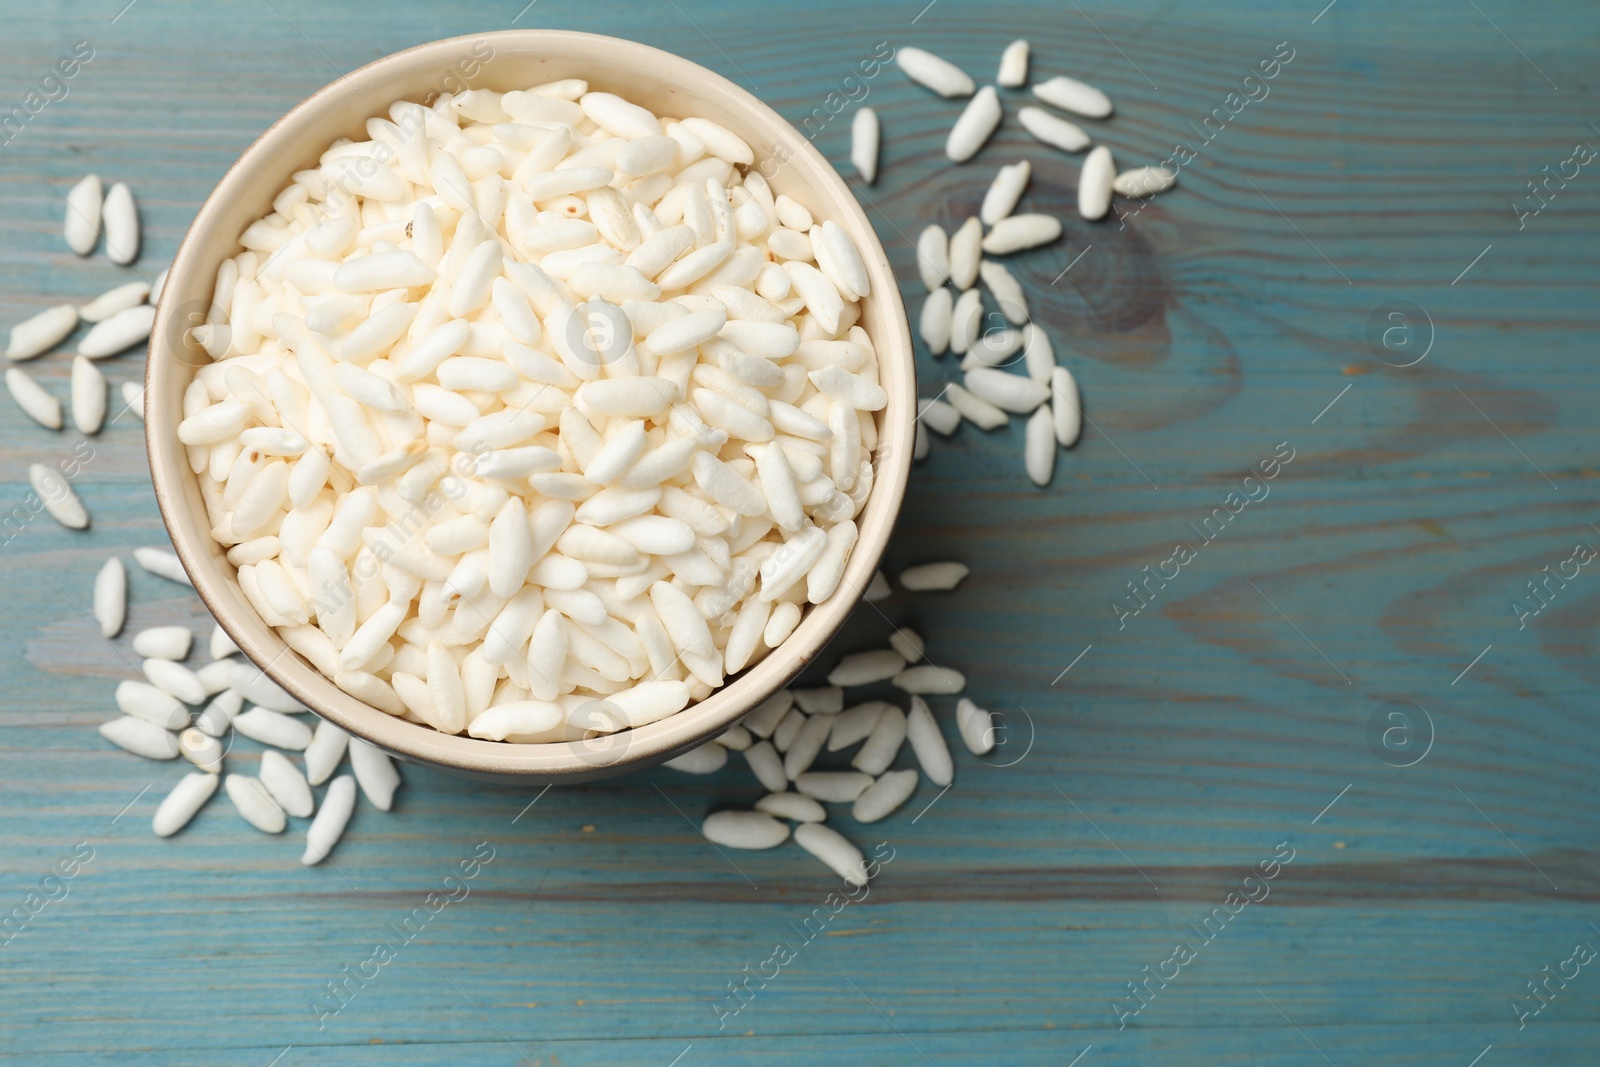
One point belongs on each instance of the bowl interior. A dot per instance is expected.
(672, 87)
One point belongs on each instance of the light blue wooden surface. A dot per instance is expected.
(1177, 753)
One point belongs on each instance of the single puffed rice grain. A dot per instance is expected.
(273, 728)
(182, 804)
(928, 743)
(286, 784)
(1094, 183)
(84, 206)
(1053, 130)
(1069, 94)
(884, 796)
(31, 397)
(121, 218)
(111, 597)
(838, 854)
(792, 806)
(1141, 182)
(38, 335)
(976, 124)
(744, 829)
(932, 72)
(254, 804)
(1065, 407)
(864, 144)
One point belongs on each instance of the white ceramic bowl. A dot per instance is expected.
(506, 60)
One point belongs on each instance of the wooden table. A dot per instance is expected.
(1242, 712)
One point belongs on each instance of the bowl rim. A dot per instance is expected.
(626, 750)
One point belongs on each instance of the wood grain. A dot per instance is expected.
(1176, 753)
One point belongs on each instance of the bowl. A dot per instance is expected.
(504, 60)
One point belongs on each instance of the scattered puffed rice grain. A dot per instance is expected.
(145, 701)
(163, 642)
(88, 396)
(966, 249)
(1008, 392)
(59, 499)
(1014, 65)
(922, 730)
(216, 677)
(833, 787)
(155, 289)
(864, 668)
(1039, 446)
(932, 72)
(111, 597)
(217, 718)
(84, 205)
(182, 804)
(201, 749)
(979, 412)
(121, 218)
(792, 806)
(118, 333)
(254, 685)
(30, 396)
(112, 301)
(933, 576)
(744, 829)
(1053, 130)
(884, 796)
(1008, 294)
(326, 829)
(273, 728)
(286, 784)
(838, 854)
(855, 724)
(864, 144)
(1069, 94)
(1094, 183)
(769, 713)
(1005, 191)
(161, 563)
(327, 748)
(788, 729)
(877, 589)
(931, 680)
(735, 739)
(1018, 232)
(375, 772)
(805, 746)
(254, 804)
(933, 257)
(36, 336)
(767, 766)
(908, 643)
(883, 744)
(1038, 354)
(221, 646)
(823, 700)
(1140, 182)
(976, 124)
(1065, 407)
(939, 417)
(706, 759)
(175, 680)
(934, 323)
(976, 726)
(133, 397)
(141, 738)
(966, 319)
